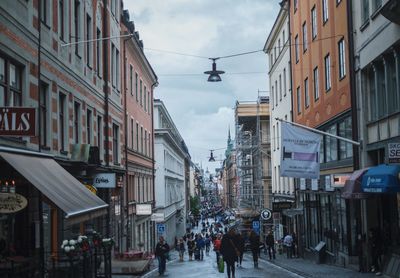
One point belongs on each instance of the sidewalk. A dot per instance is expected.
(307, 268)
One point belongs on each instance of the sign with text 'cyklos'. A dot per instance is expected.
(300, 152)
(104, 180)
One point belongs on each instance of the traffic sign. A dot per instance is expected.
(160, 228)
(266, 214)
(256, 225)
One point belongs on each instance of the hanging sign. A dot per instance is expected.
(12, 202)
(300, 152)
(104, 180)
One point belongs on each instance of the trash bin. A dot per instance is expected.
(320, 249)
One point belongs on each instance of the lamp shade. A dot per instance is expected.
(214, 73)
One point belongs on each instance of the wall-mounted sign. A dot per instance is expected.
(266, 214)
(91, 188)
(394, 152)
(157, 217)
(143, 209)
(12, 202)
(17, 121)
(279, 206)
(104, 180)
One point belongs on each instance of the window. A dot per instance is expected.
(141, 139)
(327, 60)
(98, 52)
(115, 145)
(145, 98)
(273, 131)
(145, 142)
(43, 110)
(61, 18)
(113, 70)
(272, 96)
(117, 69)
(132, 133)
(149, 102)
(89, 126)
(136, 86)
(284, 82)
(298, 94)
(296, 48)
(316, 84)
(314, 27)
(331, 145)
(283, 38)
(376, 4)
(364, 11)
(338, 2)
(342, 59)
(370, 82)
(131, 79)
(279, 45)
(295, 5)
(325, 11)
(88, 37)
(306, 96)
(280, 87)
(137, 136)
(45, 11)
(345, 130)
(10, 83)
(304, 37)
(77, 124)
(392, 84)
(77, 24)
(62, 121)
(99, 133)
(381, 88)
(113, 7)
(149, 142)
(141, 93)
(276, 92)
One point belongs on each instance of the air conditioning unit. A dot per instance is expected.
(94, 155)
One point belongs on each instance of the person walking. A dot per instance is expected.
(270, 244)
(230, 252)
(191, 245)
(181, 249)
(217, 246)
(162, 249)
(200, 247)
(376, 250)
(240, 246)
(288, 242)
(294, 245)
(207, 242)
(255, 246)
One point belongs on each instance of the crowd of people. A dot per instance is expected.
(228, 245)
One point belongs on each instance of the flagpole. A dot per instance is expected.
(320, 132)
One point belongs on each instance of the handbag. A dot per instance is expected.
(221, 265)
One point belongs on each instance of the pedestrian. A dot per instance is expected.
(191, 245)
(217, 246)
(181, 249)
(240, 246)
(288, 242)
(200, 244)
(294, 245)
(229, 251)
(270, 245)
(254, 239)
(162, 249)
(376, 250)
(207, 242)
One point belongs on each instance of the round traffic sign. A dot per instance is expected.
(266, 214)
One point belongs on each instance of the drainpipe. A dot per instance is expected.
(106, 107)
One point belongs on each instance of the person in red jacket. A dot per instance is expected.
(217, 246)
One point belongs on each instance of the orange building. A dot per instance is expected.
(321, 97)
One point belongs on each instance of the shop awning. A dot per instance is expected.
(59, 186)
(382, 179)
(352, 187)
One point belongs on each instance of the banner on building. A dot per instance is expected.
(300, 152)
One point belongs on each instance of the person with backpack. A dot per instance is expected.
(230, 252)
(162, 249)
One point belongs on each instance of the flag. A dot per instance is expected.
(300, 152)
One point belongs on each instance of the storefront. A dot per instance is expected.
(58, 207)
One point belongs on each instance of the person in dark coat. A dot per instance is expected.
(255, 246)
(376, 250)
(162, 248)
(270, 245)
(229, 251)
(240, 246)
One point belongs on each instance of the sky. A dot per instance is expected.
(202, 111)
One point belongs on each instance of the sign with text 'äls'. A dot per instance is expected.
(17, 121)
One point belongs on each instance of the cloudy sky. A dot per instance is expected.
(203, 111)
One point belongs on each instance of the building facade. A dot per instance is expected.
(277, 47)
(170, 187)
(322, 99)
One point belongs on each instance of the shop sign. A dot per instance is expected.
(12, 202)
(157, 217)
(143, 209)
(394, 152)
(17, 121)
(266, 214)
(104, 180)
(279, 206)
(91, 188)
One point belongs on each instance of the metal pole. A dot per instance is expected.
(320, 132)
